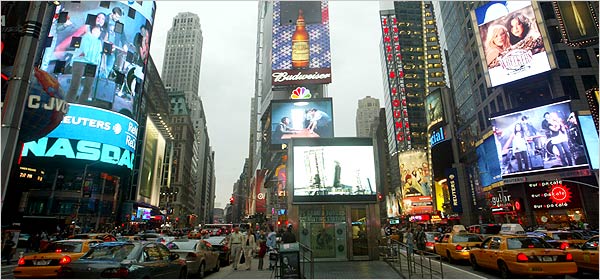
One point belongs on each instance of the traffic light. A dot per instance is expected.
(379, 196)
(278, 223)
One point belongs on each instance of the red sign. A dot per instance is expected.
(552, 195)
(419, 218)
(560, 194)
(417, 205)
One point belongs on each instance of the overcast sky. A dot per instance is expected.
(228, 64)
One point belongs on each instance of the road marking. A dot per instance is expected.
(466, 271)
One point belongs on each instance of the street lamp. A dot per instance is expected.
(83, 179)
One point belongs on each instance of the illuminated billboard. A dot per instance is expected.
(308, 118)
(300, 50)
(152, 162)
(435, 110)
(89, 133)
(99, 51)
(578, 22)
(416, 189)
(536, 139)
(488, 162)
(333, 170)
(548, 195)
(512, 44)
(590, 136)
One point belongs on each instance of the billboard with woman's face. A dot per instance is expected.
(512, 45)
(98, 50)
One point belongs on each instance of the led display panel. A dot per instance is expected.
(152, 162)
(333, 170)
(512, 44)
(540, 138)
(590, 136)
(99, 52)
(488, 162)
(435, 110)
(415, 176)
(307, 118)
(89, 133)
(300, 48)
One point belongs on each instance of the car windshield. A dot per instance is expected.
(181, 245)
(562, 236)
(64, 247)
(526, 242)
(466, 238)
(116, 253)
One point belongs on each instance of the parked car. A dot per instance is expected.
(219, 245)
(199, 255)
(46, 263)
(106, 237)
(126, 260)
(586, 257)
(455, 246)
(522, 255)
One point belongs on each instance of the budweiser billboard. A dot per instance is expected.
(301, 53)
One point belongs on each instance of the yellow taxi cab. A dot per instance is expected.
(586, 257)
(455, 246)
(522, 255)
(58, 253)
(564, 239)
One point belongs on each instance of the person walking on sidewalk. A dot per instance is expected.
(288, 236)
(235, 243)
(420, 239)
(271, 245)
(249, 245)
(262, 249)
(408, 237)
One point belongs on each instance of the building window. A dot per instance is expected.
(563, 60)
(500, 103)
(582, 58)
(554, 33)
(547, 10)
(481, 121)
(569, 86)
(589, 81)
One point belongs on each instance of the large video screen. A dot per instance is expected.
(590, 136)
(435, 110)
(89, 133)
(512, 44)
(99, 51)
(301, 53)
(333, 170)
(306, 118)
(541, 138)
(416, 189)
(152, 162)
(488, 162)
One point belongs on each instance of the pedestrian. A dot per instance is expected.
(408, 237)
(288, 236)
(249, 245)
(235, 244)
(7, 247)
(262, 251)
(420, 239)
(271, 244)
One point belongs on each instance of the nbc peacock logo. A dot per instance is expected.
(301, 93)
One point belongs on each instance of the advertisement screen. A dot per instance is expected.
(301, 53)
(99, 50)
(416, 187)
(89, 133)
(308, 118)
(590, 135)
(541, 138)
(513, 46)
(154, 147)
(549, 195)
(333, 170)
(488, 162)
(143, 213)
(435, 110)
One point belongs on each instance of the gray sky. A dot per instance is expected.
(228, 64)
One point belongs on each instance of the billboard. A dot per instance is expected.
(89, 133)
(333, 170)
(578, 22)
(300, 50)
(99, 50)
(416, 183)
(435, 110)
(488, 162)
(152, 162)
(590, 136)
(512, 44)
(309, 118)
(540, 138)
(547, 195)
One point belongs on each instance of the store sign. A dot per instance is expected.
(437, 136)
(419, 218)
(452, 175)
(552, 195)
(301, 93)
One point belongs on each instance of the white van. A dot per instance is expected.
(512, 229)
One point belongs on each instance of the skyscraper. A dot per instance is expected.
(366, 113)
(183, 54)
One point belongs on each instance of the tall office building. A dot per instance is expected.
(366, 114)
(183, 54)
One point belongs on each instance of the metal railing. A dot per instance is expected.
(410, 262)
(307, 259)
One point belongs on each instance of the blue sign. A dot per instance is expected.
(437, 136)
(452, 176)
(487, 161)
(97, 125)
(590, 135)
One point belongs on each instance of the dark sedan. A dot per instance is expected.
(127, 260)
(219, 244)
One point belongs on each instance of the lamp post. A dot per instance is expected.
(83, 179)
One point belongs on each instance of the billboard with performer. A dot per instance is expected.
(541, 138)
(512, 44)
